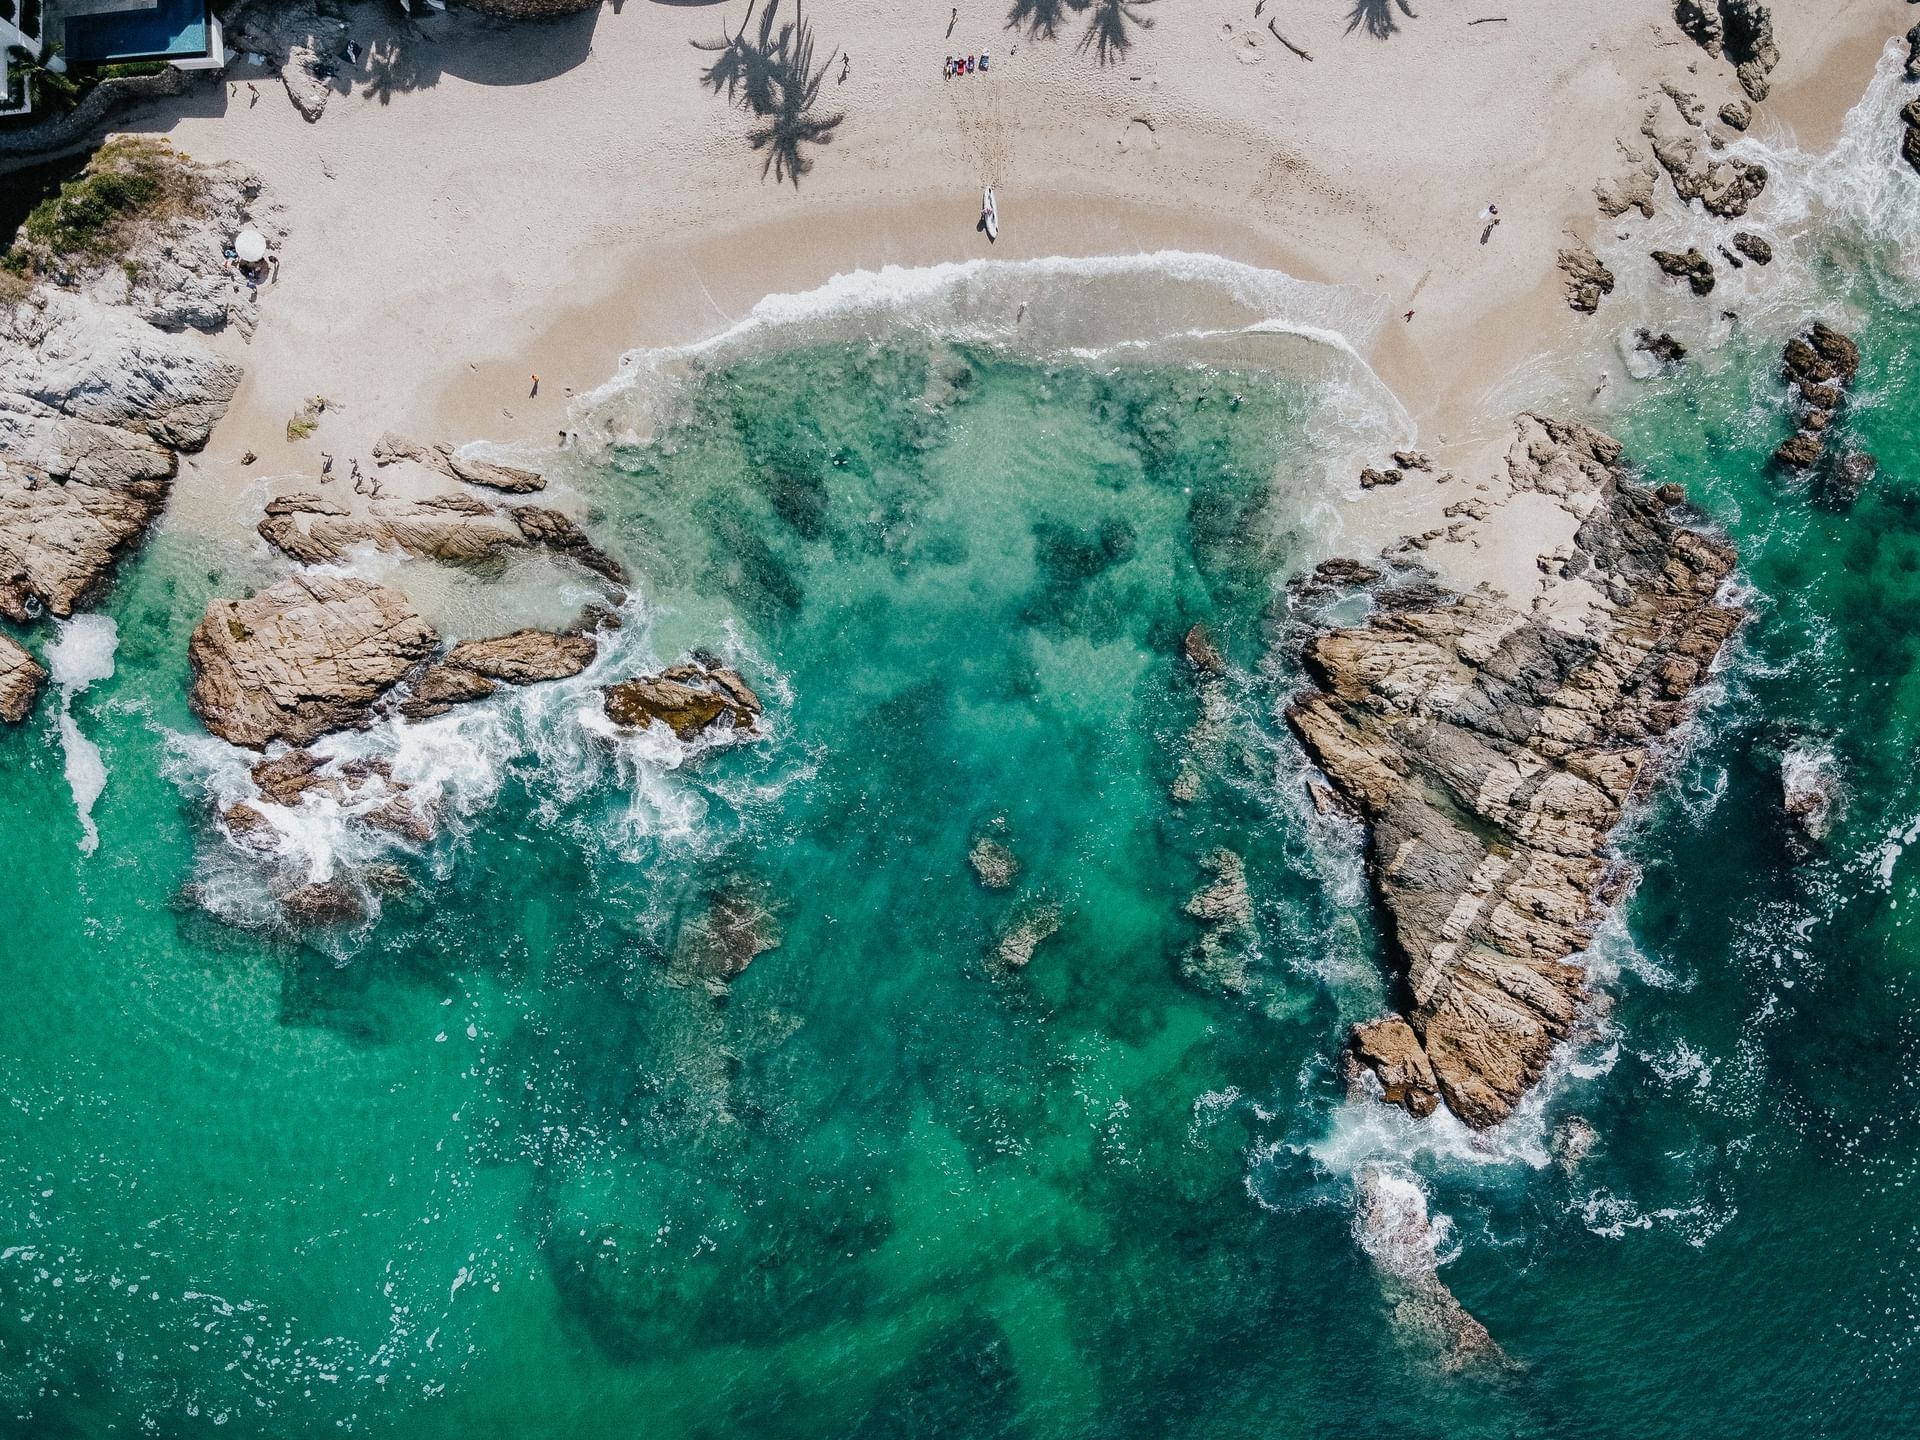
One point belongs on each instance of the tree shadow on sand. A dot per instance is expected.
(1111, 24)
(772, 76)
(1376, 16)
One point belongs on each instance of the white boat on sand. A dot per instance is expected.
(990, 215)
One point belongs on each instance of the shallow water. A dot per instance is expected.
(500, 1160)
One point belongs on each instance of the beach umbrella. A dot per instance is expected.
(250, 246)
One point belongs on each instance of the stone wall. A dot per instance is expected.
(63, 131)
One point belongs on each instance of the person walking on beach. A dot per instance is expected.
(1489, 218)
(846, 64)
(536, 386)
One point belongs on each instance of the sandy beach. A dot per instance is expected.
(484, 202)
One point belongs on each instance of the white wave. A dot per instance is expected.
(82, 654)
(1099, 307)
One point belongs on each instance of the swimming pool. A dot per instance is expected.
(170, 30)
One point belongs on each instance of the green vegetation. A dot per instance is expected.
(307, 419)
(131, 182)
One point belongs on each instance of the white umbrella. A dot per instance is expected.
(250, 246)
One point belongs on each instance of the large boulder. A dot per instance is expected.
(1691, 266)
(476, 669)
(1491, 753)
(306, 656)
(21, 677)
(689, 699)
(1587, 279)
(391, 448)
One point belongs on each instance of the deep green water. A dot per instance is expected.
(495, 1163)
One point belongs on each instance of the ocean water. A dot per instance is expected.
(500, 1160)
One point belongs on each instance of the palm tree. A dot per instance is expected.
(46, 77)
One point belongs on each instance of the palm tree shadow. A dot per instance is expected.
(1041, 19)
(1376, 16)
(1107, 34)
(773, 78)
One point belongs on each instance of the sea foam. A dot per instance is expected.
(80, 655)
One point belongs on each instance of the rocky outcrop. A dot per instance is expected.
(1739, 30)
(558, 533)
(1390, 1050)
(738, 927)
(478, 668)
(21, 677)
(1847, 479)
(1818, 366)
(689, 699)
(1573, 1141)
(99, 387)
(302, 42)
(1587, 279)
(1491, 753)
(391, 448)
(1759, 251)
(1693, 267)
(455, 529)
(303, 657)
(1910, 135)
(1736, 114)
(1749, 44)
(364, 787)
(1913, 53)
(1391, 1224)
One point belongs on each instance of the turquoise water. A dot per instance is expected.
(498, 1162)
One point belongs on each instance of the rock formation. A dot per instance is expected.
(476, 669)
(365, 787)
(1739, 30)
(21, 677)
(1913, 53)
(1693, 267)
(558, 533)
(1736, 114)
(1724, 186)
(1573, 1140)
(390, 448)
(993, 863)
(1910, 136)
(1663, 347)
(453, 528)
(1031, 924)
(1810, 793)
(738, 927)
(1819, 366)
(98, 387)
(1759, 251)
(1491, 752)
(689, 699)
(1391, 1224)
(1587, 279)
(310, 654)
(1224, 908)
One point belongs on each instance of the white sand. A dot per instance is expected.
(546, 197)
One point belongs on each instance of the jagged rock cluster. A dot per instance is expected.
(1739, 30)
(1910, 113)
(319, 653)
(1692, 267)
(1819, 366)
(21, 677)
(1587, 279)
(689, 699)
(1490, 753)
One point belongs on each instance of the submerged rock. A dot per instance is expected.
(1224, 908)
(560, 534)
(1391, 1224)
(1810, 791)
(993, 863)
(1587, 279)
(738, 927)
(1491, 753)
(688, 698)
(1033, 923)
(21, 677)
(303, 657)
(1573, 1141)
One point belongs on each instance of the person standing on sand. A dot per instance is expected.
(1489, 218)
